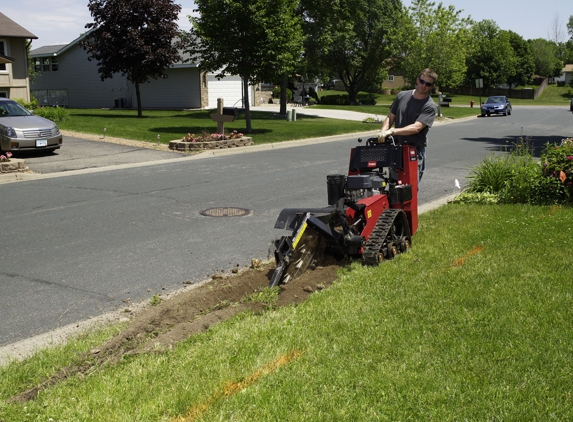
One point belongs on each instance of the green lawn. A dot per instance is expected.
(173, 125)
(552, 95)
(474, 323)
(267, 127)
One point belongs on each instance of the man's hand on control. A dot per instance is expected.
(383, 134)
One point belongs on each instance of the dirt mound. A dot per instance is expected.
(157, 328)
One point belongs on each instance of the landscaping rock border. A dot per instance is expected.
(222, 144)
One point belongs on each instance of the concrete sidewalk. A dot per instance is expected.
(331, 114)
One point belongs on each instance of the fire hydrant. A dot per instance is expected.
(472, 103)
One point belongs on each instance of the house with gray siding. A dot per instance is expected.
(14, 41)
(65, 77)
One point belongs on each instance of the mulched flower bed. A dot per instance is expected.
(218, 144)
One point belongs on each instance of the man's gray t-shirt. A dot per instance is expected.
(408, 110)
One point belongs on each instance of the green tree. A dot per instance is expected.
(260, 40)
(491, 57)
(133, 38)
(437, 37)
(351, 40)
(524, 64)
(545, 56)
(570, 27)
(31, 65)
(567, 52)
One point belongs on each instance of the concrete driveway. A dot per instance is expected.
(81, 151)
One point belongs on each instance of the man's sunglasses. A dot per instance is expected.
(423, 82)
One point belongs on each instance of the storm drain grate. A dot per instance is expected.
(226, 212)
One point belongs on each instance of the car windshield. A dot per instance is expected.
(12, 108)
(494, 100)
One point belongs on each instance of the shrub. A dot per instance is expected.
(55, 114)
(490, 175)
(29, 105)
(340, 99)
(367, 100)
(277, 93)
(524, 182)
(519, 178)
(557, 168)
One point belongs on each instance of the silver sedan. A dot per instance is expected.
(21, 130)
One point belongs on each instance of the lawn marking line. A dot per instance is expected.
(553, 210)
(233, 387)
(460, 261)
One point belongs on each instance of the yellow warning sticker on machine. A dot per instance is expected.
(369, 214)
(299, 235)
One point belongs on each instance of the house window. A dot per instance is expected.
(390, 78)
(46, 64)
(52, 97)
(3, 94)
(3, 53)
(41, 96)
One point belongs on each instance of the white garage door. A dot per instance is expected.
(229, 89)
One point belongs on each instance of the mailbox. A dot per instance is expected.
(445, 102)
(230, 111)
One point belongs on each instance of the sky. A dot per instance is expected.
(62, 21)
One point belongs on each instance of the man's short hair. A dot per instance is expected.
(430, 74)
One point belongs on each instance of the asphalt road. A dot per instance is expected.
(79, 243)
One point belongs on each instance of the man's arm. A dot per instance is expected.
(386, 125)
(388, 121)
(412, 129)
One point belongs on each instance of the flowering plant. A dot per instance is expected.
(557, 167)
(205, 137)
(5, 158)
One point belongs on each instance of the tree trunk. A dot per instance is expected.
(246, 104)
(284, 87)
(352, 96)
(138, 97)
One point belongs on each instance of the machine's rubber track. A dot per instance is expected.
(380, 245)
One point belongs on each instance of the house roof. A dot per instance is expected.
(568, 68)
(48, 50)
(56, 50)
(9, 28)
(5, 59)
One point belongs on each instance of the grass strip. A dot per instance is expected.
(474, 323)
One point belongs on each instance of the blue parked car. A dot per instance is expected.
(498, 104)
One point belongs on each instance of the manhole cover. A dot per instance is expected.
(226, 212)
